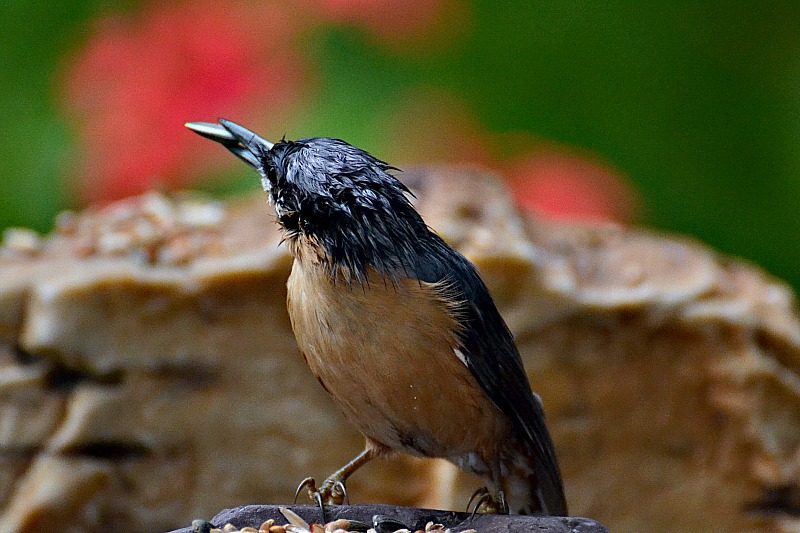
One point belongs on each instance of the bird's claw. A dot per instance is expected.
(486, 503)
(332, 492)
(339, 489)
(479, 493)
(307, 483)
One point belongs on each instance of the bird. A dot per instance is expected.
(397, 326)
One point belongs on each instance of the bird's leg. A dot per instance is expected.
(333, 488)
(333, 491)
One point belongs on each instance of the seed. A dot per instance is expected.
(384, 524)
(277, 529)
(337, 524)
(293, 518)
(266, 525)
(357, 525)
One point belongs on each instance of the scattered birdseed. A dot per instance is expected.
(295, 525)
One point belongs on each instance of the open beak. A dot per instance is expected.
(240, 141)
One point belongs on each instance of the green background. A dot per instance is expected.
(698, 105)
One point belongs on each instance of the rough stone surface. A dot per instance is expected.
(148, 373)
(413, 518)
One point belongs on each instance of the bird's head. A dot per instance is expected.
(331, 195)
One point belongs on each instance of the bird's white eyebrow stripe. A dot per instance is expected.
(461, 356)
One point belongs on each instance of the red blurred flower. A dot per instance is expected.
(139, 78)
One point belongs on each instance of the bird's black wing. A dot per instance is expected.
(494, 360)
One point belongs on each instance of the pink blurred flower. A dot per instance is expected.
(140, 77)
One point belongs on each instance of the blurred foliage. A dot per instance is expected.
(698, 104)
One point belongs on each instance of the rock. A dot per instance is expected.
(148, 373)
(414, 519)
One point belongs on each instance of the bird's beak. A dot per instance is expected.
(240, 141)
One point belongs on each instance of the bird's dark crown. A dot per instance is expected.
(345, 201)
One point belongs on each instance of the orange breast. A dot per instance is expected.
(386, 355)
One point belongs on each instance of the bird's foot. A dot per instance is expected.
(486, 503)
(332, 492)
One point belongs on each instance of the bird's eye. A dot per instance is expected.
(272, 174)
(290, 220)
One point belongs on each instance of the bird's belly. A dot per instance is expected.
(386, 355)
